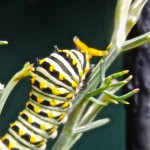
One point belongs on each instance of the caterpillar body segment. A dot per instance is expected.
(57, 80)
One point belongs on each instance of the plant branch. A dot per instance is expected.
(134, 14)
(90, 126)
(121, 17)
(3, 43)
(26, 71)
(136, 42)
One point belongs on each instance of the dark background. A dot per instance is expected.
(32, 29)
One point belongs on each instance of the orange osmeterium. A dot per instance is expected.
(90, 51)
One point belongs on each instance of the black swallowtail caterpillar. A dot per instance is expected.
(56, 81)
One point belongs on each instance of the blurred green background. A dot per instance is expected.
(32, 28)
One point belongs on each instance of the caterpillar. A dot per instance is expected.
(57, 79)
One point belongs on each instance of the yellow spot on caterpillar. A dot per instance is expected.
(50, 115)
(74, 84)
(86, 69)
(30, 120)
(42, 61)
(32, 140)
(61, 117)
(21, 113)
(30, 94)
(43, 85)
(27, 103)
(74, 62)
(69, 96)
(56, 91)
(61, 76)
(53, 129)
(43, 127)
(41, 143)
(67, 54)
(12, 124)
(11, 146)
(4, 137)
(52, 103)
(81, 74)
(36, 109)
(21, 132)
(40, 99)
(52, 67)
(33, 79)
(65, 105)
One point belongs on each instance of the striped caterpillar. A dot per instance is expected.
(57, 80)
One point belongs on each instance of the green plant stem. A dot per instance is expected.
(6, 93)
(26, 71)
(88, 117)
(121, 17)
(136, 42)
(1, 89)
(67, 133)
(94, 109)
(134, 14)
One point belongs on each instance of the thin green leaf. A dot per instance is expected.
(91, 126)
